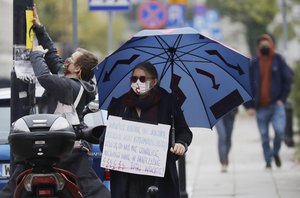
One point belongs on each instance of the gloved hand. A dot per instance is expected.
(90, 134)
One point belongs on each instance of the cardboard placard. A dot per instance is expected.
(135, 147)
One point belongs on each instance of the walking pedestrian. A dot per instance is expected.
(147, 102)
(224, 129)
(271, 84)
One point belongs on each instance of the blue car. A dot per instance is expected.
(91, 119)
(4, 131)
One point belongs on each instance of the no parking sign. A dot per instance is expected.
(152, 15)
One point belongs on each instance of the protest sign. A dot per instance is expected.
(135, 147)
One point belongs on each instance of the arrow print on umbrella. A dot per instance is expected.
(122, 61)
(215, 52)
(209, 75)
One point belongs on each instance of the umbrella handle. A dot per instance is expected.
(172, 130)
(173, 136)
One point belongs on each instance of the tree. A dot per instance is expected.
(92, 26)
(255, 15)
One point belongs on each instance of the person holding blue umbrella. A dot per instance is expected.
(147, 102)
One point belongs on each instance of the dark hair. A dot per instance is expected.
(87, 61)
(148, 68)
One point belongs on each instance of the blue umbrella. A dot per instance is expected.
(207, 78)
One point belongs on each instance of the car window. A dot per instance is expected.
(4, 124)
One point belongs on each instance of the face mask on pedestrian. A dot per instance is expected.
(140, 85)
(265, 51)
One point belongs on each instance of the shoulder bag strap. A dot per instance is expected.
(78, 96)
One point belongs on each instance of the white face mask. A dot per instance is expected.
(140, 88)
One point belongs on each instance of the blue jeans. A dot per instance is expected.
(274, 114)
(224, 129)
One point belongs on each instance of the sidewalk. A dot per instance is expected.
(246, 176)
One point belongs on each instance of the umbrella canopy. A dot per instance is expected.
(208, 78)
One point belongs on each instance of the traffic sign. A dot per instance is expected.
(176, 15)
(108, 5)
(152, 15)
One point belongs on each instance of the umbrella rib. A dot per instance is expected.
(200, 95)
(203, 43)
(166, 62)
(165, 70)
(146, 47)
(158, 38)
(153, 55)
(177, 41)
(108, 95)
(101, 72)
(191, 78)
(189, 52)
(189, 74)
(209, 61)
(185, 69)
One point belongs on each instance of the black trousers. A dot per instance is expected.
(78, 164)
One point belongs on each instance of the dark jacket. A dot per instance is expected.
(281, 78)
(48, 71)
(65, 90)
(169, 185)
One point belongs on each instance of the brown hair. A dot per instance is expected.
(87, 61)
(264, 37)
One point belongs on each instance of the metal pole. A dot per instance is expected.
(109, 32)
(22, 93)
(75, 24)
(20, 90)
(284, 27)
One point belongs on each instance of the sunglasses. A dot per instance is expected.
(68, 61)
(143, 79)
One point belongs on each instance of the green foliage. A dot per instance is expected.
(247, 11)
(92, 26)
(255, 15)
(57, 19)
(295, 95)
(291, 32)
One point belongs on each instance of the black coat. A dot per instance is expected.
(168, 185)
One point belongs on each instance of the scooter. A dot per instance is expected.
(42, 140)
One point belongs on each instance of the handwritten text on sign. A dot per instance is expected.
(135, 147)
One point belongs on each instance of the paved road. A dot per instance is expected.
(246, 176)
